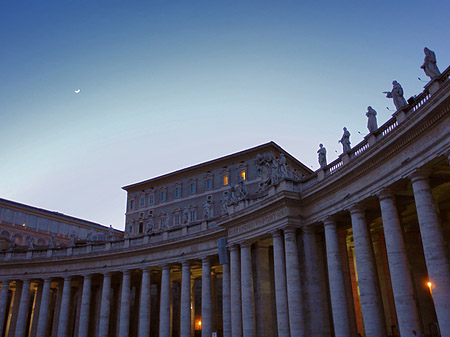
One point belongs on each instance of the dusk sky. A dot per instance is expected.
(167, 84)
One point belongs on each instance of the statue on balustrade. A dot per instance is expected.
(185, 215)
(52, 241)
(283, 170)
(372, 119)
(322, 156)
(12, 242)
(127, 233)
(207, 209)
(149, 225)
(429, 64)
(345, 141)
(397, 95)
(73, 239)
(225, 202)
(30, 242)
(241, 191)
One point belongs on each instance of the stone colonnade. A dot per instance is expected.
(284, 284)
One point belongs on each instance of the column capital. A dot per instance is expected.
(329, 220)
(234, 247)
(87, 276)
(247, 243)
(166, 266)
(308, 229)
(290, 230)
(276, 233)
(356, 208)
(126, 272)
(386, 193)
(206, 260)
(419, 174)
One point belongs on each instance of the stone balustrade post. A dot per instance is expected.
(280, 285)
(124, 320)
(402, 285)
(235, 291)
(21, 326)
(83, 328)
(144, 304)
(185, 307)
(338, 293)
(434, 249)
(248, 301)
(226, 300)
(206, 298)
(3, 304)
(63, 323)
(371, 305)
(164, 311)
(43, 312)
(293, 281)
(105, 306)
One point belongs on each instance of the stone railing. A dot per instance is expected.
(415, 103)
(141, 241)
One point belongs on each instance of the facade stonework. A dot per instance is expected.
(254, 244)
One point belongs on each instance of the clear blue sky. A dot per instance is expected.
(167, 84)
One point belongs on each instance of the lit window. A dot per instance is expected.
(192, 215)
(192, 188)
(151, 199)
(225, 179)
(141, 202)
(243, 174)
(131, 204)
(208, 183)
(177, 192)
(162, 195)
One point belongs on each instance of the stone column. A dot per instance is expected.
(280, 285)
(43, 312)
(402, 286)
(63, 323)
(105, 306)
(434, 249)
(248, 302)
(185, 306)
(22, 318)
(144, 304)
(235, 291)
(294, 291)
(3, 304)
(338, 293)
(206, 298)
(372, 308)
(85, 306)
(164, 311)
(226, 300)
(124, 320)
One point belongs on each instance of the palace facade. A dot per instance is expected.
(257, 244)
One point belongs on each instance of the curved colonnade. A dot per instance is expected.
(345, 251)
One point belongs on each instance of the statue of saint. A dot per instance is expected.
(322, 155)
(225, 201)
(149, 225)
(345, 141)
(397, 95)
(283, 167)
(372, 119)
(185, 215)
(429, 64)
(30, 242)
(73, 239)
(207, 209)
(52, 241)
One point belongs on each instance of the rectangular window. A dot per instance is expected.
(162, 195)
(243, 174)
(131, 204)
(225, 180)
(176, 219)
(141, 227)
(151, 199)
(142, 202)
(177, 192)
(192, 188)
(192, 215)
(208, 183)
